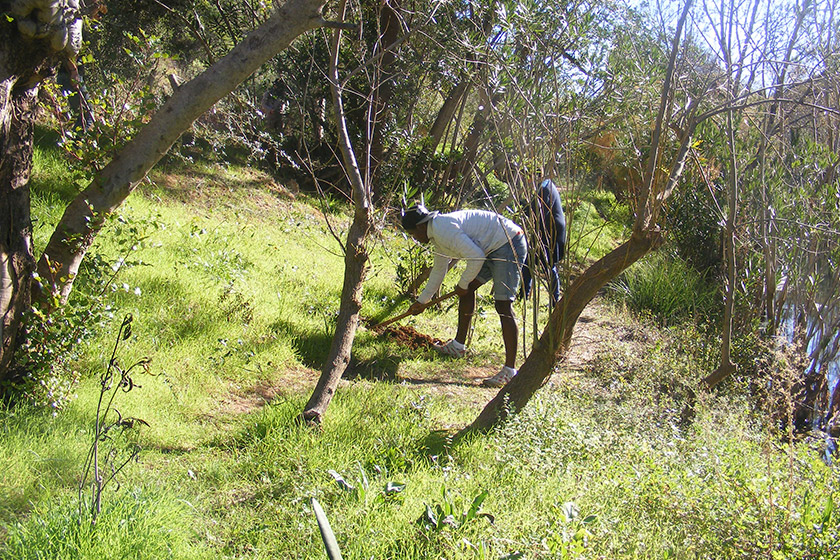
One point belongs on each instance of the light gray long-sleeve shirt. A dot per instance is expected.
(469, 235)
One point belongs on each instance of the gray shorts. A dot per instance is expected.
(504, 266)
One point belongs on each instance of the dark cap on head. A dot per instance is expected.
(416, 215)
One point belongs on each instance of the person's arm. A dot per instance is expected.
(436, 277)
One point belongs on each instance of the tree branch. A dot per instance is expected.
(343, 26)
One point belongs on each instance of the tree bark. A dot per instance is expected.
(17, 261)
(85, 216)
(23, 65)
(557, 335)
(390, 29)
(355, 258)
(355, 270)
(447, 113)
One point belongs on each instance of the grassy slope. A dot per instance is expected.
(233, 290)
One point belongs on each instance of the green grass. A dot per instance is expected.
(234, 288)
(665, 287)
(595, 222)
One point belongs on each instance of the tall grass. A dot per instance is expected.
(665, 287)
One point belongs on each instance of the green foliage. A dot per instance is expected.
(666, 288)
(570, 537)
(361, 490)
(595, 220)
(115, 110)
(694, 223)
(55, 333)
(449, 514)
(814, 533)
(54, 339)
(137, 523)
(411, 263)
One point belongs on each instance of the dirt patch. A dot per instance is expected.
(410, 337)
(242, 400)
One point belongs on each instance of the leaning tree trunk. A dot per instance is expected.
(23, 64)
(355, 256)
(355, 269)
(726, 367)
(85, 216)
(555, 339)
(557, 335)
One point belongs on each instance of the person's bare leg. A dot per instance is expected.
(510, 331)
(466, 308)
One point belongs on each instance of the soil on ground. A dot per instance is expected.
(410, 337)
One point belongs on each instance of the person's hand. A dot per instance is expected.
(417, 308)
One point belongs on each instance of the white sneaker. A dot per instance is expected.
(500, 379)
(452, 348)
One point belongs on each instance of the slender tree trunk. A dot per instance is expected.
(85, 216)
(726, 367)
(474, 140)
(390, 29)
(443, 121)
(355, 270)
(355, 258)
(555, 339)
(447, 113)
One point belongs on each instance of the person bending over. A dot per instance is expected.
(492, 247)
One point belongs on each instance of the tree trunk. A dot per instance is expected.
(557, 335)
(447, 113)
(390, 29)
(355, 270)
(17, 261)
(23, 64)
(355, 257)
(84, 217)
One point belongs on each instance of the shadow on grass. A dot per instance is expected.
(56, 179)
(383, 367)
(311, 346)
(437, 443)
(437, 381)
